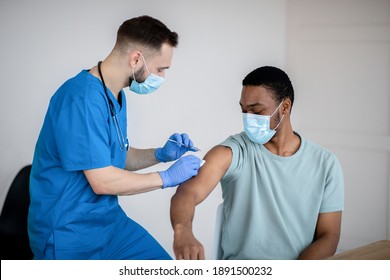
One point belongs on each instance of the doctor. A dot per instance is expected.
(83, 160)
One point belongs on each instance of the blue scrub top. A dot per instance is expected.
(78, 134)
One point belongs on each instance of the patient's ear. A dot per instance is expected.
(286, 106)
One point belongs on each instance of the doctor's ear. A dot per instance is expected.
(135, 58)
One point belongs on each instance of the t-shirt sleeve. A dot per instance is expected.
(333, 198)
(234, 144)
(82, 135)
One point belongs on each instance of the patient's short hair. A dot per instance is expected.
(275, 80)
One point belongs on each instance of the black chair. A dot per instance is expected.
(15, 244)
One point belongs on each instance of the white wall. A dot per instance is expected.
(45, 42)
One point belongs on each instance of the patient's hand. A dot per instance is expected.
(187, 247)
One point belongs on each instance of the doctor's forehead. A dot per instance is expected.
(161, 60)
(165, 53)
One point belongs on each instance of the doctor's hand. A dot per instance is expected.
(176, 146)
(180, 171)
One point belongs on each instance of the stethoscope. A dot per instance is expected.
(124, 144)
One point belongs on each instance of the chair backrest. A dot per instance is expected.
(13, 220)
(216, 249)
(18, 198)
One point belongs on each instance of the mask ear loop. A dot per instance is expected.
(132, 69)
(277, 109)
(146, 66)
(279, 123)
(280, 119)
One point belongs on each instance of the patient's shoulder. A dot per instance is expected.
(219, 155)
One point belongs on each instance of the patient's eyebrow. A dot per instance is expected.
(251, 105)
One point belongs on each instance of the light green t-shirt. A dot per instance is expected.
(271, 203)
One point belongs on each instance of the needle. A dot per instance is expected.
(193, 148)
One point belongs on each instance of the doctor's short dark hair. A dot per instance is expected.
(147, 31)
(273, 79)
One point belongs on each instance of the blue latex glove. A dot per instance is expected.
(172, 151)
(180, 171)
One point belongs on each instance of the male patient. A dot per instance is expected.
(282, 195)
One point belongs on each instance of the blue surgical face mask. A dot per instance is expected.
(151, 83)
(257, 127)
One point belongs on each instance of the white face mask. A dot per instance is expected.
(151, 83)
(257, 127)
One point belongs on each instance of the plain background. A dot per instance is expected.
(44, 43)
